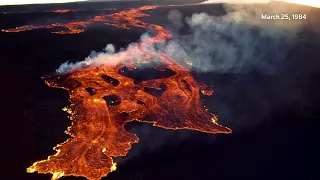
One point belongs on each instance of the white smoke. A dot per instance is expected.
(239, 41)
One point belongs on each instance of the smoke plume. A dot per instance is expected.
(239, 41)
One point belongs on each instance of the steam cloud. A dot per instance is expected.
(236, 42)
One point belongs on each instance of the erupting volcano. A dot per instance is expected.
(105, 97)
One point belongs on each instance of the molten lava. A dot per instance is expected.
(62, 10)
(121, 19)
(77, 10)
(105, 98)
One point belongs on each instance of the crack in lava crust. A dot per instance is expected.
(103, 99)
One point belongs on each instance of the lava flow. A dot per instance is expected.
(77, 10)
(120, 19)
(63, 10)
(105, 97)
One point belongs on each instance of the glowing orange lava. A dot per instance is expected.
(62, 10)
(72, 10)
(121, 19)
(105, 98)
(207, 90)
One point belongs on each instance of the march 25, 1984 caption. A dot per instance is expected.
(284, 16)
